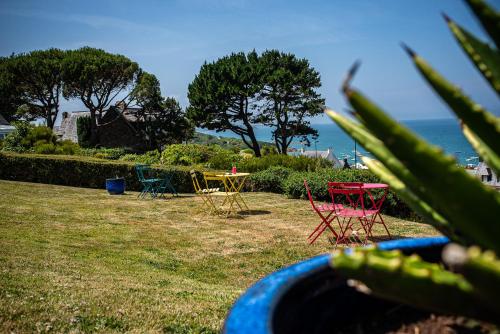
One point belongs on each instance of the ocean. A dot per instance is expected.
(445, 133)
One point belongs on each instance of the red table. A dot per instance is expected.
(373, 208)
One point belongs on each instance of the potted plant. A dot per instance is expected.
(115, 186)
(361, 290)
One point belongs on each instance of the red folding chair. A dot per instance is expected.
(327, 214)
(376, 204)
(351, 196)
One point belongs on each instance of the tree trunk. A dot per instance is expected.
(94, 135)
(48, 118)
(255, 143)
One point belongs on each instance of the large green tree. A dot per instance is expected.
(161, 120)
(10, 93)
(289, 98)
(97, 77)
(223, 94)
(38, 77)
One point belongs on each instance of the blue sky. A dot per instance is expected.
(172, 39)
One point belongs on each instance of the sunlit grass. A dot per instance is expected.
(75, 259)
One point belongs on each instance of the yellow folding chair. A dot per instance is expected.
(204, 194)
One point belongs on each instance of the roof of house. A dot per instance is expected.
(3, 121)
(68, 129)
(328, 154)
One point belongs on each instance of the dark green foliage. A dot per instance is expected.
(11, 97)
(239, 91)
(270, 180)
(39, 135)
(223, 93)
(188, 154)
(161, 120)
(223, 160)
(96, 78)
(13, 140)
(299, 163)
(38, 79)
(38, 139)
(83, 131)
(103, 153)
(80, 172)
(148, 158)
(289, 97)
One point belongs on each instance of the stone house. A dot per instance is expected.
(116, 128)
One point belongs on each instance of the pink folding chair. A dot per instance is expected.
(351, 196)
(326, 212)
(376, 204)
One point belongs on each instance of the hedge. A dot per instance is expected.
(81, 171)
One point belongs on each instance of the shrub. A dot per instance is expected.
(38, 136)
(271, 179)
(67, 147)
(224, 159)
(149, 158)
(42, 147)
(13, 140)
(103, 153)
(299, 163)
(190, 154)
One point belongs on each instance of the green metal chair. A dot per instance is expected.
(150, 185)
(166, 185)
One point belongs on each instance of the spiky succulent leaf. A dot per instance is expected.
(410, 280)
(489, 18)
(486, 59)
(491, 158)
(481, 269)
(377, 148)
(484, 124)
(413, 192)
(469, 205)
(430, 216)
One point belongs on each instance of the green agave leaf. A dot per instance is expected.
(426, 211)
(408, 279)
(489, 18)
(482, 55)
(481, 269)
(490, 157)
(377, 148)
(484, 124)
(468, 205)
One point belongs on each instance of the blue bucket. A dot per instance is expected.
(115, 186)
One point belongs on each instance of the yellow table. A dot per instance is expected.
(233, 184)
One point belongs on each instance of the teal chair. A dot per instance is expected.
(149, 185)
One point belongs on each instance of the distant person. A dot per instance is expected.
(346, 164)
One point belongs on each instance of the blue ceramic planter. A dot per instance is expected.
(309, 297)
(115, 186)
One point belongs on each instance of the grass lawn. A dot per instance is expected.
(75, 259)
